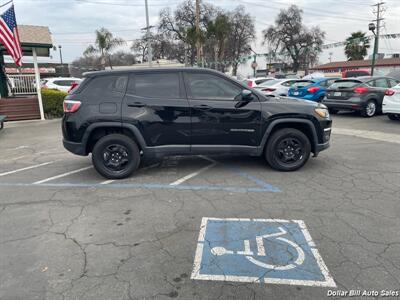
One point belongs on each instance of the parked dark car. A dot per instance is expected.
(122, 116)
(363, 94)
(355, 73)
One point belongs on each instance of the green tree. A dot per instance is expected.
(105, 42)
(356, 46)
(218, 36)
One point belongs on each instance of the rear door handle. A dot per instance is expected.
(203, 106)
(136, 104)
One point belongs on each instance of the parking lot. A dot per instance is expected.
(68, 233)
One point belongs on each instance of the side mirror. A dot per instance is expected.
(244, 98)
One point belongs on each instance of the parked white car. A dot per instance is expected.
(253, 82)
(391, 103)
(59, 83)
(276, 87)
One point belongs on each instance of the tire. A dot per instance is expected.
(281, 146)
(115, 156)
(394, 117)
(370, 109)
(333, 111)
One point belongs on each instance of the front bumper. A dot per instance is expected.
(76, 148)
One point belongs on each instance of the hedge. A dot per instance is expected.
(53, 103)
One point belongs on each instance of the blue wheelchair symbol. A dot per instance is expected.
(259, 250)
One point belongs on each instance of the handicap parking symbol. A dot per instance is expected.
(259, 250)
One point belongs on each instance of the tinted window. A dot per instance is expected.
(155, 85)
(106, 85)
(288, 83)
(63, 82)
(258, 81)
(302, 83)
(207, 86)
(270, 82)
(342, 84)
(392, 82)
(381, 82)
(356, 73)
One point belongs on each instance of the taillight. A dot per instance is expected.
(313, 89)
(71, 106)
(249, 83)
(389, 93)
(268, 90)
(73, 86)
(360, 90)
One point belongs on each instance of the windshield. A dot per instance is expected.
(342, 84)
(302, 83)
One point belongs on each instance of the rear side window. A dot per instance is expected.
(103, 86)
(302, 83)
(208, 86)
(381, 83)
(153, 85)
(343, 84)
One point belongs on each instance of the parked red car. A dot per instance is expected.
(355, 73)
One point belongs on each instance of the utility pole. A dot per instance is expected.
(198, 43)
(149, 51)
(379, 10)
(61, 61)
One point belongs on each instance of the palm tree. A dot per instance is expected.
(105, 42)
(356, 46)
(218, 32)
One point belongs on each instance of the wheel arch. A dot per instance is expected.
(96, 131)
(304, 125)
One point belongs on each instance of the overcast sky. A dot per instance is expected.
(72, 22)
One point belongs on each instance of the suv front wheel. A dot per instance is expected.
(115, 156)
(288, 149)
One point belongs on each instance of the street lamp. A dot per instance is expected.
(372, 27)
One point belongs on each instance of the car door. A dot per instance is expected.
(215, 119)
(156, 104)
(380, 86)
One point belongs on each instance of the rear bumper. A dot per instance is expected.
(345, 105)
(76, 148)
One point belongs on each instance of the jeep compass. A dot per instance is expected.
(123, 116)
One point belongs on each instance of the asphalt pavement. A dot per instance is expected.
(201, 227)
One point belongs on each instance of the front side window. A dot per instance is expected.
(208, 86)
(392, 82)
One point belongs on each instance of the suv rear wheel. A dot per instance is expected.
(115, 156)
(369, 110)
(288, 149)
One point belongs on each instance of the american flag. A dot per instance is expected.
(9, 35)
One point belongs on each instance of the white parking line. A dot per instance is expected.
(27, 168)
(369, 134)
(189, 176)
(62, 175)
(107, 181)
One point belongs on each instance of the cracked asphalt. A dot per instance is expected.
(79, 237)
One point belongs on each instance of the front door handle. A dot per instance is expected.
(136, 104)
(203, 106)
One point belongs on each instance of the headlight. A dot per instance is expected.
(322, 112)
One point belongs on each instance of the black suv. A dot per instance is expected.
(364, 94)
(122, 116)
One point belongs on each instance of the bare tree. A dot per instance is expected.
(292, 38)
